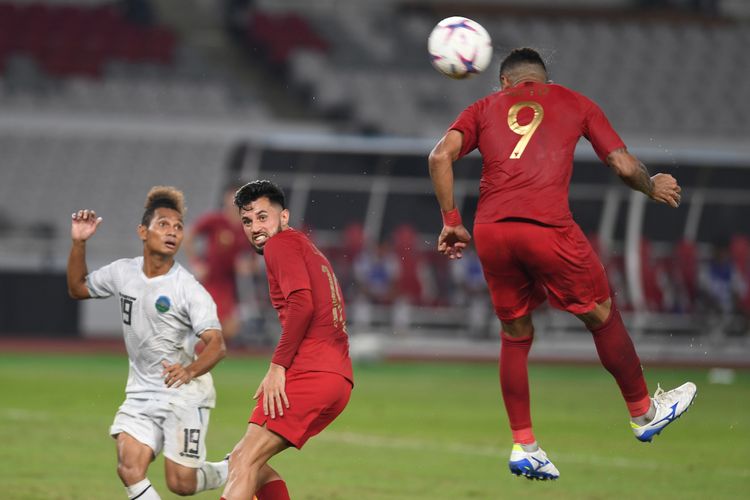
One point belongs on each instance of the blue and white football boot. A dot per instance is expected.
(532, 465)
(669, 405)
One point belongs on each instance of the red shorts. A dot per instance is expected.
(523, 262)
(315, 400)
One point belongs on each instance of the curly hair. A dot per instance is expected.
(163, 197)
(258, 189)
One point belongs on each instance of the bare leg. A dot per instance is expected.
(266, 475)
(180, 479)
(133, 459)
(247, 464)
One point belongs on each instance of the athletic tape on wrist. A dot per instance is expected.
(451, 217)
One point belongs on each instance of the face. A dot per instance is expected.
(262, 219)
(164, 235)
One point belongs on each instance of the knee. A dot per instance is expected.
(130, 474)
(181, 480)
(181, 486)
(245, 460)
(519, 328)
(597, 316)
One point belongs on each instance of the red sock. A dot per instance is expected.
(617, 354)
(514, 383)
(273, 490)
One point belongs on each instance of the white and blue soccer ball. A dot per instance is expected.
(459, 47)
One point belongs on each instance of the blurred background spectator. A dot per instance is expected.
(221, 259)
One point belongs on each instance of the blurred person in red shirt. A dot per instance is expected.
(220, 258)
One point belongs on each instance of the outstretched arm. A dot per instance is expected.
(454, 237)
(82, 228)
(661, 187)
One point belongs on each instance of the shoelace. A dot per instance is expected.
(659, 391)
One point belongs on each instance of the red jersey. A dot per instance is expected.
(225, 241)
(527, 135)
(293, 263)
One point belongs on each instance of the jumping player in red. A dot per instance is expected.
(310, 378)
(531, 248)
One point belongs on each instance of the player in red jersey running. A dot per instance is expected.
(531, 248)
(310, 378)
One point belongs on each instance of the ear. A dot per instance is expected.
(142, 232)
(504, 82)
(285, 217)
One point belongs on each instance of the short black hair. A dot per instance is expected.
(521, 56)
(258, 189)
(162, 197)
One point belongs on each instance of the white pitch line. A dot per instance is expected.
(22, 414)
(375, 441)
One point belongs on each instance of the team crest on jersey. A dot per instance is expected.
(163, 304)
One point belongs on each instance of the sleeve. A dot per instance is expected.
(285, 260)
(102, 283)
(598, 130)
(299, 314)
(468, 124)
(201, 309)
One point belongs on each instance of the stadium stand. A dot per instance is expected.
(62, 172)
(93, 57)
(70, 39)
(104, 128)
(383, 79)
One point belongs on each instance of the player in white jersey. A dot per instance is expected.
(165, 311)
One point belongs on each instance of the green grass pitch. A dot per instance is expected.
(411, 431)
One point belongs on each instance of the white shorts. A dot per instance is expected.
(179, 430)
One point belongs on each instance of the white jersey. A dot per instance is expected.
(162, 318)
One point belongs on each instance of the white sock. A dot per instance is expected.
(142, 490)
(647, 417)
(531, 447)
(211, 475)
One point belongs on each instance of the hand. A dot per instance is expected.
(666, 190)
(175, 375)
(452, 241)
(272, 387)
(84, 225)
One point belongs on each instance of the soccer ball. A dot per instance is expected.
(459, 47)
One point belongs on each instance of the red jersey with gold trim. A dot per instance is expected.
(293, 263)
(527, 135)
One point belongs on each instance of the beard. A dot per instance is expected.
(259, 249)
